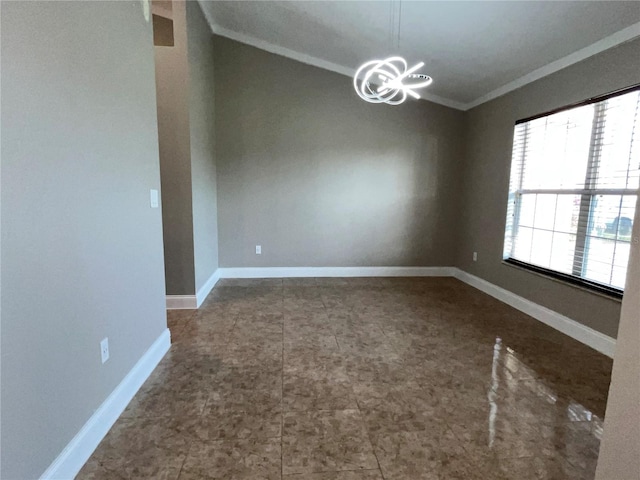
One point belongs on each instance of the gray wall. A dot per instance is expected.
(184, 75)
(172, 83)
(486, 179)
(81, 247)
(619, 457)
(203, 164)
(319, 177)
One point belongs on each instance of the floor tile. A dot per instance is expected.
(299, 282)
(499, 438)
(576, 442)
(533, 468)
(247, 354)
(184, 397)
(325, 441)
(361, 379)
(382, 423)
(222, 423)
(241, 400)
(177, 319)
(246, 459)
(353, 475)
(423, 455)
(316, 392)
(141, 448)
(400, 397)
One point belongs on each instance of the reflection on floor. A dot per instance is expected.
(361, 379)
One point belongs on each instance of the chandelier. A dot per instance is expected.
(390, 80)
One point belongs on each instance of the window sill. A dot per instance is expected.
(602, 291)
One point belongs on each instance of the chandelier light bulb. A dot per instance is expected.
(389, 81)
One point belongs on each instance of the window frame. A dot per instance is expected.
(587, 194)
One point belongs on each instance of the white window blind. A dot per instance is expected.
(574, 182)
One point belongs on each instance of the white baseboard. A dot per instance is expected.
(80, 448)
(181, 302)
(202, 293)
(596, 340)
(191, 302)
(290, 272)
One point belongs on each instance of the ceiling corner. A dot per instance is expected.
(622, 36)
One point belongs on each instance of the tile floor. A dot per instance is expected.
(360, 379)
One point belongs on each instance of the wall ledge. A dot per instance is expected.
(181, 302)
(192, 302)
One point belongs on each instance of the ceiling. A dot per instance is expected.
(474, 50)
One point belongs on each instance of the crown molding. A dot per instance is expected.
(315, 61)
(282, 51)
(622, 36)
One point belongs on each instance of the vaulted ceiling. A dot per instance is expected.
(474, 50)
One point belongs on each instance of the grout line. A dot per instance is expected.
(322, 472)
(364, 425)
(184, 461)
(373, 448)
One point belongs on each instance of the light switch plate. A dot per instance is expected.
(154, 198)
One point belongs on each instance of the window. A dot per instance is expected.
(574, 183)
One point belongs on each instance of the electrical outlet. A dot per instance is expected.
(475, 256)
(258, 249)
(104, 349)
